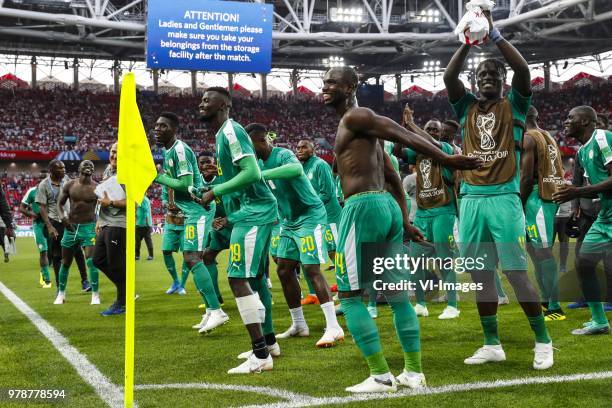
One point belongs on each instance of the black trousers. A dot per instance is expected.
(54, 253)
(144, 233)
(109, 257)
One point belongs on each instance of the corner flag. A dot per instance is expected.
(136, 170)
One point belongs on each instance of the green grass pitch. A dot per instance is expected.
(168, 351)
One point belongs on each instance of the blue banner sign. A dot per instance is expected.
(224, 36)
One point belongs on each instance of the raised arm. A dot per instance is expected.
(286, 171)
(521, 81)
(364, 121)
(454, 86)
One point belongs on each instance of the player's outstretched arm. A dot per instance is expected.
(364, 121)
(249, 174)
(23, 208)
(181, 184)
(454, 86)
(286, 171)
(571, 192)
(521, 81)
(527, 163)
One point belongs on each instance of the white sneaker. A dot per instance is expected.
(503, 300)
(95, 298)
(269, 283)
(182, 292)
(543, 356)
(60, 299)
(294, 331)
(253, 365)
(274, 351)
(373, 311)
(487, 354)
(216, 319)
(371, 384)
(411, 379)
(202, 323)
(421, 310)
(331, 337)
(449, 312)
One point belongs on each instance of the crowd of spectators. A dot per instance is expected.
(37, 120)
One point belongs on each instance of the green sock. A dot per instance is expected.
(260, 286)
(311, 290)
(451, 277)
(184, 274)
(407, 328)
(171, 267)
(214, 275)
(364, 332)
(63, 277)
(539, 328)
(45, 273)
(419, 278)
(94, 273)
(597, 312)
(489, 328)
(204, 285)
(498, 285)
(550, 277)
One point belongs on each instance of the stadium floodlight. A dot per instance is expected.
(333, 61)
(473, 62)
(429, 16)
(347, 14)
(432, 66)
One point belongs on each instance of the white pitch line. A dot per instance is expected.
(444, 389)
(273, 392)
(111, 394)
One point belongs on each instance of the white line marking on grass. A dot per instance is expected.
(444, 389)
(273, 392)
(108, 392)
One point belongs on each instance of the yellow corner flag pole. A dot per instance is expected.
(136, 170)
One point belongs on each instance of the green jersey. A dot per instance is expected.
(29, 199)
(320, 175)
(219, 210)
(255, 204)
(298, 203)
(389, 149)
(339, 193)
(593, 157)
(520, 105)
(447, 175)
(180, 161)
(143, 214)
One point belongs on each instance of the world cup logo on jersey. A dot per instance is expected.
(485, 125)
(552, 155)
(425, 168)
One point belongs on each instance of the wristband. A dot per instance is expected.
(495, 35)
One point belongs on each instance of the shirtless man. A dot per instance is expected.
(372, 215)
(80, 228)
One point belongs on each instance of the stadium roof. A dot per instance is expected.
(392, 36)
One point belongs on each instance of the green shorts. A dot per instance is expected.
(218, 240)
(249, 246)
(331, 236)
(440, 231)
(275, 239)
(172, 238)
(540, 220)
(40, 236)
(368, 217)
(194, 235)
(492, 228)
(304, 244)
(598, 239)
(84, 235)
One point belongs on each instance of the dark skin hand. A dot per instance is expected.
(219, 223)
(572, 192)
(529, 172)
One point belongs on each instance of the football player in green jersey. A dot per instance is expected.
(541, 175)
(181, 173)
(491, 219)
(30, 208)
(301, 234)
(251, 211)
(373, 215)
(595, 157)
